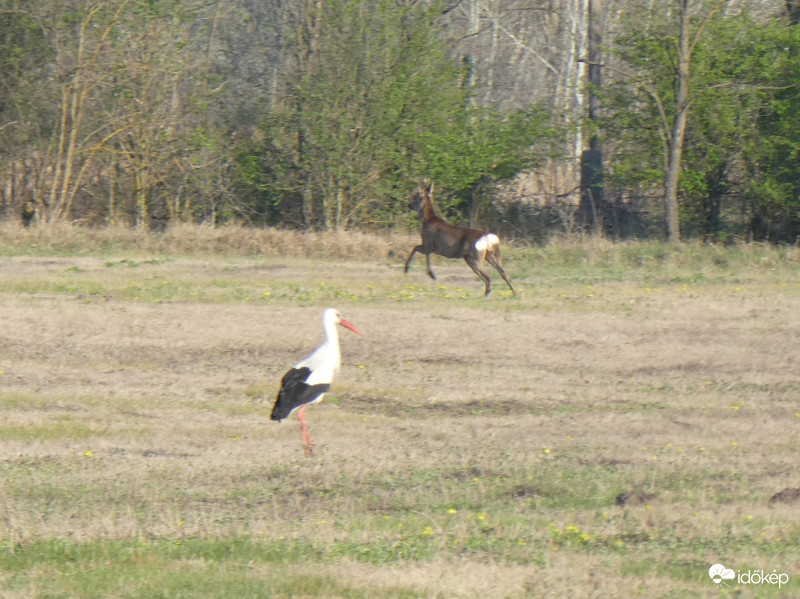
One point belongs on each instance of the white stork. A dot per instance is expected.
(309, 379)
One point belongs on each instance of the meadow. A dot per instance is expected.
(627, 420)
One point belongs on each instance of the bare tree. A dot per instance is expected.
(540, 51)
(686, 43)
(163, 95)
(123, 102)
(78, 34)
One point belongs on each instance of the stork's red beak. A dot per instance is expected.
(350, 326)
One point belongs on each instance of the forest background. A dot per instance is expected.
(634, 118)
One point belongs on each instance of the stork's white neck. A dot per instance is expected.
(331, 333)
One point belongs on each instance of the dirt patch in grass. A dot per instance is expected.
(788, 495)
(474, 407)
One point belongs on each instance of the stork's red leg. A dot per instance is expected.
(309, 446)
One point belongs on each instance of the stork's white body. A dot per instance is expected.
(325, 361)
(309, 379)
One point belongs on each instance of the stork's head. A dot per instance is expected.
(331, 315)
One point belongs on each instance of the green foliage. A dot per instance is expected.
(127, 111)
(739, 70)
(23, 52)
(478, 146)
(773, 161)
(372, 106)
(369, 73)
(728, 74)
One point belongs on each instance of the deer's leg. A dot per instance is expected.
(490, 258)
(473, 264)
(411, 255)
(428, 265)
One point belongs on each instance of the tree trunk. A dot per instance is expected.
(591, 207)
(340, 200)
(307, 207)
(793, 11)
(672, 221)
(570, 95)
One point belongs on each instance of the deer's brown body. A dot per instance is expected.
(451, 241)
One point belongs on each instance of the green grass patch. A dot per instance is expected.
(185, 568)
(65, 428)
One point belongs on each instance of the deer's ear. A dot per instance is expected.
(430, 189)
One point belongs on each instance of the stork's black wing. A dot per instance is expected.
(295, 392)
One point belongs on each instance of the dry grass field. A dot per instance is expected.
(621, 425)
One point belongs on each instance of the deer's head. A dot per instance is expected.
(423, 195)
